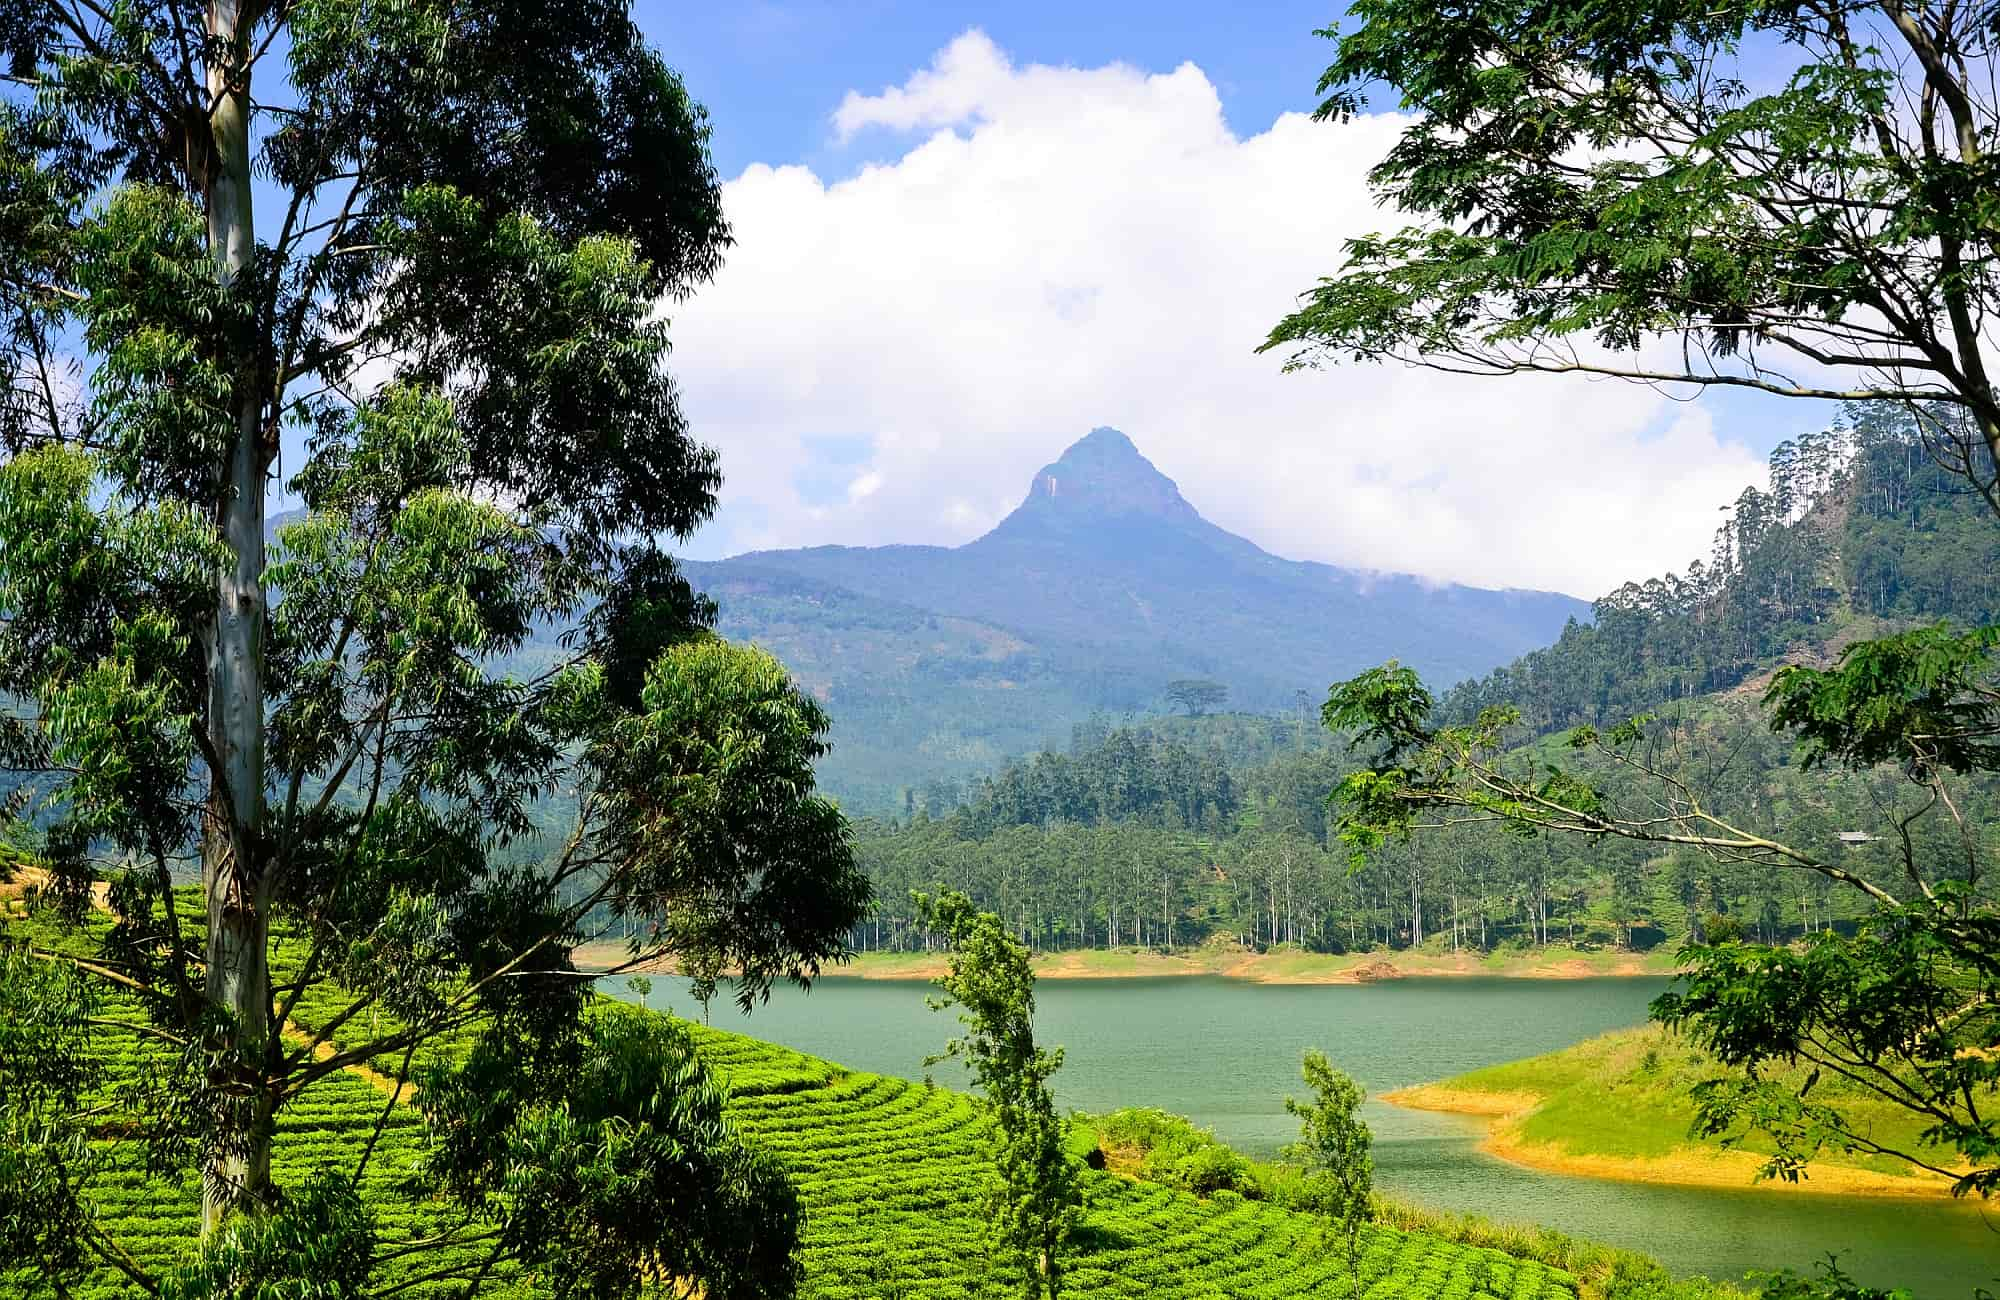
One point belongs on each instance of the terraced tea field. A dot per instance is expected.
(153, 1218)
(892, 1174)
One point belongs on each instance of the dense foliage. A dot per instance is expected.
(1270, 877)
(1776, 195)
(411, 254)
(1165, 1148)
(1860, 526)
(1122, 775)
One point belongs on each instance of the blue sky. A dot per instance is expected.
(771, 73)
(967, 234)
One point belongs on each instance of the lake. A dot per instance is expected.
(1225, 1053)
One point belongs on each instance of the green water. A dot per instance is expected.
(1225, 1052)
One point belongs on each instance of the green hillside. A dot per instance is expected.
(1860, 530)
(892, 1174)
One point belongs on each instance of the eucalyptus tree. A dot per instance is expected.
(1788, 197)
(418, 249)
(1335, 1149)
(992, 983)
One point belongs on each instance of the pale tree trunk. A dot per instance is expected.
(234, 875)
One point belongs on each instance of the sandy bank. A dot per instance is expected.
(1278, 967)
(1286, 967)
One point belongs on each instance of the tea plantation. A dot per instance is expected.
(154, 1217)
(892, 1174)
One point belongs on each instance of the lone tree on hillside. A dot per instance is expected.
(1197, 695)
(419, 247)
(993, 985)
(1333, 1147)
(1790, 197)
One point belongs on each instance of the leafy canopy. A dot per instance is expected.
(310, 791)
(1789, 197)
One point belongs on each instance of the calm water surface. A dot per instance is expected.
(1225, 1052)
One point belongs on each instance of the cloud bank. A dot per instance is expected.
(888, 357)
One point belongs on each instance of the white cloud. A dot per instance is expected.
(1075, 247)
(967, 76)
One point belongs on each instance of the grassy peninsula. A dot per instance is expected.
(1618, 1106)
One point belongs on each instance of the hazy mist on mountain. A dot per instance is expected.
(1104, 585)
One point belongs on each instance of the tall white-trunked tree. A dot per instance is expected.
(424, 244)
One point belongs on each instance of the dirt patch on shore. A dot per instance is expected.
(1576, 968)
(27, 878)
(613, 956)
(387, 1085)
(1463, 1101)
(1080, 965)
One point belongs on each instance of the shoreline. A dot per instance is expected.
(1692, 1166)
(1280, 968)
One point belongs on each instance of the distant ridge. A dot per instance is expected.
(1104, 584)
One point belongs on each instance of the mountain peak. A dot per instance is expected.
(1102, 476)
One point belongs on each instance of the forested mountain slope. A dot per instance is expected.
(1218, 827)
(1860, 527)
(1100, 589)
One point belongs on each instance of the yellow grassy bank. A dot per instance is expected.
(1617, 1107)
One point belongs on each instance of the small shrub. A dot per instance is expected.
(1174, 1153)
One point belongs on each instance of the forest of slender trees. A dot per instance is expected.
(1269, 876)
